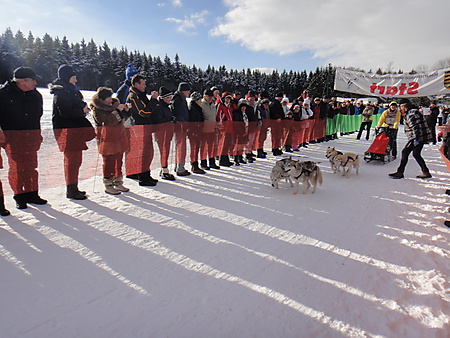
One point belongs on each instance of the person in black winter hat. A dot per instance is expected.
(70, 126)
(163, 120)
(20, 119)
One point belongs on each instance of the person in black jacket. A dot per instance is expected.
(181, 114)
(140, 156)
(21, 108)
(163, 123)
(195, 131)
(276, 115)
(70, 126)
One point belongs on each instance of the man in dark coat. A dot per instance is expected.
(181, 114)
(140, 156)
(70, 126)
(21, 108)
(276, 114)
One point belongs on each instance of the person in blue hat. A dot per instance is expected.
(124, 89)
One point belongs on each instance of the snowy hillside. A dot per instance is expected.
(226, 255)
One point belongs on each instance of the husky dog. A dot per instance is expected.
(280, 172)
(340, 160)
(346, 161)
(331, 153)
(308, 173)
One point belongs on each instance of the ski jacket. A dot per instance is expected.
(141, 107)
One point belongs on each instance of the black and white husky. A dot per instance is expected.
(307, 172)
(280, 172)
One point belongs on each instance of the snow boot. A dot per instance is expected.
(109, 186)
(145, 180)
(20, 201)
(225, 161)
(118, 184)
(196, 169)
(34, 198)
(3, 210)
(204, 165)
(212, 163)
(260, 154)
(74, 193)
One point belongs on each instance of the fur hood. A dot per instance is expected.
(98, 104)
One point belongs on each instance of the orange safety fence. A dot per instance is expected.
(37, 159)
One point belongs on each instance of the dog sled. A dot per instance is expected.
(379, 150)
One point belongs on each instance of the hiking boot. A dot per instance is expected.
(424, 175)
(109, 186)
(397, 175)
(183, 173)
(118, 184)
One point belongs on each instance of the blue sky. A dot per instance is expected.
(268, 34)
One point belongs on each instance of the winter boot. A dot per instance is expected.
(260, 154)
(109, 186)
(73, 193)
(212, 163)
(3, 210)
(20, 201)
(145, 180)
(225, 161)
(204, 165)
(34, 198)
(288, 148)
(118, 184)
(196, 169)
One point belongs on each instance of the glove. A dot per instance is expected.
(416, 143)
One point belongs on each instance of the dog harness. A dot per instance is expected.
(350, 158)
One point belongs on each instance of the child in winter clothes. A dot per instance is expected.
(109, 115)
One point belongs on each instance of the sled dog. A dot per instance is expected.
(331, 153)
(340, 160)
(280, 171)
(306, 172)
(346, 161)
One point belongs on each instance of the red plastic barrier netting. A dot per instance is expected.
(37, 159)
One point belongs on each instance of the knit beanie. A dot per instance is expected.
(164, 92)
(184, 86)
(65, 72)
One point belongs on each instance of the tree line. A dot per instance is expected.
(100, 65)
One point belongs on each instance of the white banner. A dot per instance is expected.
(393, 85)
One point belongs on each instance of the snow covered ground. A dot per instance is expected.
(226, 255)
